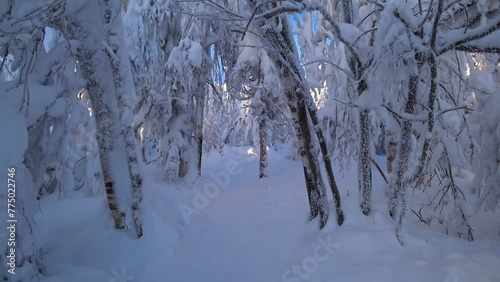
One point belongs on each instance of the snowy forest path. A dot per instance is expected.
(251, 230)
(257, 230)
(246, 232)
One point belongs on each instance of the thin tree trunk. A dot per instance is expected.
(326, 160)
(310, 188)
(364, 165)
(365, 172)
(142, 137)
(304, 122)
(121, 68)
(104, 130)
(410, 104)
(391, 148)
(90, 57)
(316, 188)
(263, 149)
(396, 187)
(143, 145)
(431, 60)
(199, 116)
(135, 178)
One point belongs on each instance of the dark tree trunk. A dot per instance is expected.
(364, 158)
(263, 150)
(200, 112)
(310, 188)
(365, 171)
(391, 149)
(309, 157)
(326, 159)
(403, 153)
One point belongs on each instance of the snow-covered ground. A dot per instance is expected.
(231, 226)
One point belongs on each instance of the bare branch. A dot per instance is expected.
(455, 109)
(326, 61)
(212, 85)
(380, 170)
(405, 116)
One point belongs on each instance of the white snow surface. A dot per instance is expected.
(245, 229)
(15, 136)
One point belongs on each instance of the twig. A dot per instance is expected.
(407, 117)
(214, 88)
(326, 62)
(380, 170)
(454, 109)
(154, 159)
(248, 24)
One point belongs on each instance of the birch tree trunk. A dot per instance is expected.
(391, 148)
(326, 159)
(263, 149)
(104, 63)
(125, 92)
(403, 153)
(199, 115)
(364, 165)
(314, 181)
(364, 157)
(310, 187)
(105, 128)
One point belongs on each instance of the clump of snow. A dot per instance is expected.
(195, 54)
(350, 32)
(252, 152)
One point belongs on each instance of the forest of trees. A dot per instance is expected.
(93, 91)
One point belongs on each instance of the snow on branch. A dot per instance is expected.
(486, 36)
(299, 7)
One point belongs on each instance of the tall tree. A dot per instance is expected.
(285, 57)
(103, 59)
